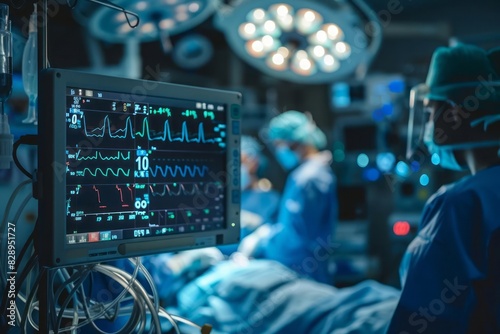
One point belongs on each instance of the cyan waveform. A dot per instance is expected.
(104, 172)
(98, 155)
(173, 171)
(145, 132)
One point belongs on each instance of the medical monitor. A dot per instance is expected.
(131, 167)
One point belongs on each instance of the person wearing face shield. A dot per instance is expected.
(303, 234)
(450, 274)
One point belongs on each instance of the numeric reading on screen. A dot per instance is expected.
(147, 167)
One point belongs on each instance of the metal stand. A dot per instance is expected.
(43, 289)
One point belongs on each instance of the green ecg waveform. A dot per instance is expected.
(98, 155)
(104, 173)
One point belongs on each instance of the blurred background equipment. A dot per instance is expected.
(30, 69)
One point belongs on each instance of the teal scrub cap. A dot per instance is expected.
(294, 126)
(250, 147)
(458, 71)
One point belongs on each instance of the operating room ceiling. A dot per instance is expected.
(412, 29)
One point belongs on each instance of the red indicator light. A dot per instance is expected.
(401, 228)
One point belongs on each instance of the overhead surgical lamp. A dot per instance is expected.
(315, 41)
(159, 19)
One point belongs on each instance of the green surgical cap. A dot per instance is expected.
(458, 71)
(294, 126)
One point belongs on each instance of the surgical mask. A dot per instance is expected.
(287, 157)
(244, 177)
(446, 157)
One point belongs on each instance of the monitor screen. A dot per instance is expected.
(131, 167)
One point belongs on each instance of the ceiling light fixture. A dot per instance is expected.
(159, 19)
(302, 41)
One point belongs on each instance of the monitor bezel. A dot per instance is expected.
(51, 245)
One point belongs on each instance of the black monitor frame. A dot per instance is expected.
(51, 241)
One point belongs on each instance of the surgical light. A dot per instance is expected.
(278, 59)
(324, 40)
(268, 41)
(247, 29)
(319, 51)
(158, 19)
(269, 26)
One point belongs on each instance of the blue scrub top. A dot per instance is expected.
(302, 239)
(451, 271)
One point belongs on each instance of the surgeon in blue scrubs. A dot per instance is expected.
(302, 237)
(451, 271)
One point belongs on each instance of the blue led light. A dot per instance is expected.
(385, 161)
(371, 174)
(435, 159)
(424, 179)
(396, 86)
(363, 160)
(402, 169)
(387, 109)
(378, 115)
(415, 166)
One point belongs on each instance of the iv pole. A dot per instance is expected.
(43, 288)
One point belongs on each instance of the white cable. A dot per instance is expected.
(124, 279)
(104, 308)
(127, 282)
(149, 279)
(136, 292)
(154, 316)
(178, 318)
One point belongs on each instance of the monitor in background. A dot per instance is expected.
(131, 168)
